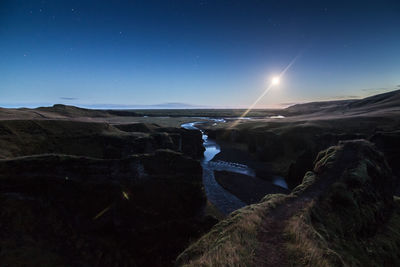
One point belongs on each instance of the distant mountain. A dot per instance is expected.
(59, 111)
(72, 111)
(176, 105)
(390, 100)
(374, 104)
(172, 105)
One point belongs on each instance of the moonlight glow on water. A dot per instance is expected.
(221, 198)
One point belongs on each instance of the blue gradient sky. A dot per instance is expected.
(202, 53)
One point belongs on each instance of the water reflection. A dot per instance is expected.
(216, 194)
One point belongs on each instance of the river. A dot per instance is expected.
(216, 194)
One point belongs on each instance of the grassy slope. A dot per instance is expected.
(309, 246)
(332, 219)
(26, 137)
(233, 241)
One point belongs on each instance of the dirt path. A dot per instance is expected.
(272, 251)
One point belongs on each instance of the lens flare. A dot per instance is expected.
(275, 81)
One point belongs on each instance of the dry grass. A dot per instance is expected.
(307, 247)
(233, 241)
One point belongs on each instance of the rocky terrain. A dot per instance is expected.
(342, 214)
(80, 193)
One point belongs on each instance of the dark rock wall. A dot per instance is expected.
(91, 194)
(389, 144)
(301, 144)
(138, 211)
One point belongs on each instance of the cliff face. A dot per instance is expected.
(75, 211)
(342, 214)
(91, 194)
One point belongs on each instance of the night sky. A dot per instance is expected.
(199, 53)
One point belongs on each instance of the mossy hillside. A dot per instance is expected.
(91, 139)
(310, 245)
(101, 140)
(355, 222)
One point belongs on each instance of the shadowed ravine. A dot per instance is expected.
(221, 198)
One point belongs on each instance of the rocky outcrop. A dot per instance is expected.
(63, 210)
(343, 214)
(305, 158)
(190, 142)
(99, 140)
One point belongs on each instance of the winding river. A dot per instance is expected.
(216, 194)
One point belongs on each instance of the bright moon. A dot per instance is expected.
(275, 80)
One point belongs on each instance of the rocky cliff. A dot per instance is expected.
(61, 210)
(343, 214)
(79, 193)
